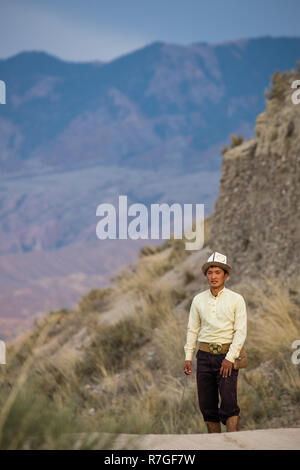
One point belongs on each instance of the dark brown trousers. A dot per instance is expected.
(210, 384)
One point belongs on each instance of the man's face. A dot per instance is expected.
(216, 276)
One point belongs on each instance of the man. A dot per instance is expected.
(218, 320)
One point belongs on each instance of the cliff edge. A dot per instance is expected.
(256, 214)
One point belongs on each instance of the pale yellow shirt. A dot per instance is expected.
(220, 319)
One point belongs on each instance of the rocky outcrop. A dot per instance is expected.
(256, 218)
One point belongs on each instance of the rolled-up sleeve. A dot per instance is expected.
(193, 328)
(240, 330)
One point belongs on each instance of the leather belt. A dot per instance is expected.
(214, 348)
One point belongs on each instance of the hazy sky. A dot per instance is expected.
(85, 30)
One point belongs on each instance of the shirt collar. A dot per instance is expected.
(218, 294)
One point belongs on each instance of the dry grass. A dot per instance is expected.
(275, 323)
(41, 403)
(278, 86)
(130, 378)
(169, 340)
(147, 270)
(113, 346)
(97, 300)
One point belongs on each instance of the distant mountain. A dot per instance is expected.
(149, 124)
(161, 106)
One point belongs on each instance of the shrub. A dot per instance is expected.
(96, 300)
(278, 86)
(113, 347)
(236, 140)
(147, 250)
(224, 149)
(189, 276)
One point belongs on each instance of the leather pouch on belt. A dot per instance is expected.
(242, 360)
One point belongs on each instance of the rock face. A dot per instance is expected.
(256, 218)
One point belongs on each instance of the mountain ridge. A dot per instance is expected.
(86, 87)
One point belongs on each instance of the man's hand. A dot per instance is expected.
(188, 367)
(226, 367)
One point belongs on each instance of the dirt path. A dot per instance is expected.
(262, 439)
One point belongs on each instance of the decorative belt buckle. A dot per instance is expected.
(215, 348)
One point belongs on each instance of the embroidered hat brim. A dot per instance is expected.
(216, 264)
